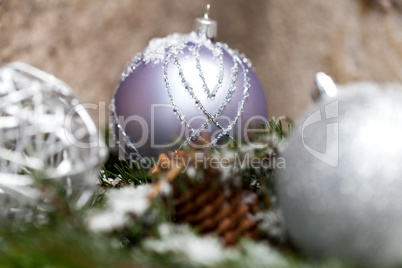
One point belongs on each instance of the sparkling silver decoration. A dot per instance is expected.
(210, 94)
(173, 52)
(132, 152)
(341, 191)
(45, 132)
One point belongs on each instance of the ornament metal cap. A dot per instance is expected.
(325, 87)
(205, 26)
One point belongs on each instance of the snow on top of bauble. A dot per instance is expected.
(155, 52)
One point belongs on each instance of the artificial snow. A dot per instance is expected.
(155, 52)
(272, 223)
(157, 48)
(120, 206)
(182, 243)
(261, 255)
(107, 221)
(180, 240)
(165, 188)
(130, 200)
(191, 172)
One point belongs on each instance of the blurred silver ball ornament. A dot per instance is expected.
(44, 131)
(341, 191)
(183, 86)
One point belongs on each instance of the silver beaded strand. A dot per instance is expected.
(210, 94)
(174, 52)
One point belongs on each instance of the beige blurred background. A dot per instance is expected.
(86, 43)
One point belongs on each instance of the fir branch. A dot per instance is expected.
(60, 237)
(126, 173)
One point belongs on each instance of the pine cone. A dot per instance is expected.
(209, 205)
(213, 209)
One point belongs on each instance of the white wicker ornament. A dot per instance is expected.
(44, 131)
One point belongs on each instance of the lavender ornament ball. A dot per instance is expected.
(183, 88)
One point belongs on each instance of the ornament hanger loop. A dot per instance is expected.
(206, 14)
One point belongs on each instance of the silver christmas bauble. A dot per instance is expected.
(341, 190)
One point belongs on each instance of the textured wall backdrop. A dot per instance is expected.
(86, 43)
